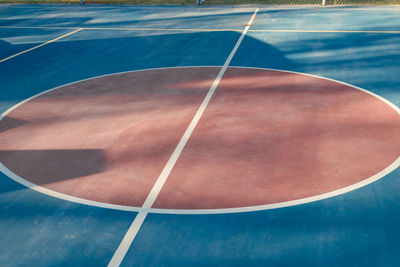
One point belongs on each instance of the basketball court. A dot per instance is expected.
(199, 135)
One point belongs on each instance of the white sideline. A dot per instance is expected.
(141, 216)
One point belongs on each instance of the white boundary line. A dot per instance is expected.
(56, 194)
(62, 196)
(341, 191)
(43, 44)
(394, 165)
(138, 221)
(204, 30)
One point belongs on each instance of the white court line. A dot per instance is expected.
(203, 30)
(35, 47)
(56, 194)
(141, 216)
(344, 190)
(393, 166)
(59, 195)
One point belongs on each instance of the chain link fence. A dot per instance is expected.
(363, 2)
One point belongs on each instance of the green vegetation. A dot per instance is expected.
(306, 2)
(133, 2)
(216, 2)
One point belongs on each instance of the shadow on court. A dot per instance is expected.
(352, 229)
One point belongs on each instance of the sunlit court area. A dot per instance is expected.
(200, 133)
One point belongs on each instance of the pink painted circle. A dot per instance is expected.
(266, 137)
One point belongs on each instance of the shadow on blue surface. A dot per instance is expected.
(128, 16)
(72, 59)
(75, 59)
(370, 61)
(356, 229)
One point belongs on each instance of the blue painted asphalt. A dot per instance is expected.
(370, 61)
(331, 18)
(356, 229)
(359, 228)
(128, 16)
(39, 230)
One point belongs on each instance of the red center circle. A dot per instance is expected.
(266, 137)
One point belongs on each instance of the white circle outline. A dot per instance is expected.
(394, 165)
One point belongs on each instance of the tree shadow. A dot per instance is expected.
(357, 226)
(51, 166)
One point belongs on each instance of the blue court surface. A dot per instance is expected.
(47, 46)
